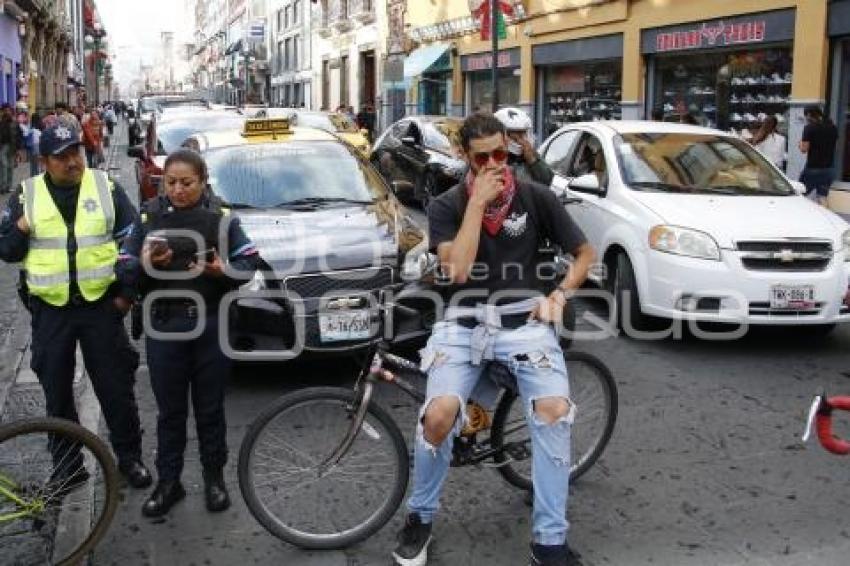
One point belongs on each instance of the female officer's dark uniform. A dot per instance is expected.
(198, 364)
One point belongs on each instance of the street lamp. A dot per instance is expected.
(94, 38)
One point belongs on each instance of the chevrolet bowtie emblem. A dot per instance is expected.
(786, 256)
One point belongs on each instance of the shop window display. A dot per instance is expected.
(582, 93)
(732, 91)
(481, 89)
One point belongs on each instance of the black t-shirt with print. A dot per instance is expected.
(507, 261)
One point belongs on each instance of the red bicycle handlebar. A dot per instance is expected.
(823, 421)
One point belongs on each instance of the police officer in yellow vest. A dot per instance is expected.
(65, 226)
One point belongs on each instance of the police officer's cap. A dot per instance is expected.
(59, 136)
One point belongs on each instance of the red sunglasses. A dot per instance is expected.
(482, 158)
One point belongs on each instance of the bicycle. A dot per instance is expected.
(51, 471)
(327, 467)
(820, 415)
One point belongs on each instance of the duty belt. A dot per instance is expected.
(489, 320)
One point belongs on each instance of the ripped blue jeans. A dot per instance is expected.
(534, 356)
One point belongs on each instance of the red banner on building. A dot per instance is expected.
(718, 35)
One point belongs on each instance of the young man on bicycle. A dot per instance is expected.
(486, 232)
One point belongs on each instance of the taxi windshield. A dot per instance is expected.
(277, 174)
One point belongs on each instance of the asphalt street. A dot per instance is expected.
(706, 466)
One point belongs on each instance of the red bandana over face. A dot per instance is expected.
(497, 210)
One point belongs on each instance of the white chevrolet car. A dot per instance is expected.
(693, 223)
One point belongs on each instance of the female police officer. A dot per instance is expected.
(162, 256)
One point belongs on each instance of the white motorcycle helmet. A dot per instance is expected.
(515, 120)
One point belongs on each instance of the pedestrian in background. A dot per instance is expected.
(770, 142)
(526, 162)
(819, 138)
(64, 225)
(64, 113)
(196, 368)
(93, 138)
(31, 129)
(366, 120)
(10, 136)
(110, 119)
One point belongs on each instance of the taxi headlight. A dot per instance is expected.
(684, 242)
(257, 283)
(415, 262)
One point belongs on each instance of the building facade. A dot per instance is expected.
(290, 49)
(348, 50)
(731, 63)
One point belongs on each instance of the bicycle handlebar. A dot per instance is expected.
(820, 414)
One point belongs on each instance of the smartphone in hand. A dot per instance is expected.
(157, 244)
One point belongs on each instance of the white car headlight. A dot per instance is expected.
(257, 283)
(845, 240)
(683, 241)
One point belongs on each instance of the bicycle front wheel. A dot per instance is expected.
(296, 496)
(594, 392)
(58, 491)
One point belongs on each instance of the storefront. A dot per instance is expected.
(478, 77)
(729, 73)
(578, 80)
(10, 59)
(839, 108)
(435, 87)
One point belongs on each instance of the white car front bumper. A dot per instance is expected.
(730, 292)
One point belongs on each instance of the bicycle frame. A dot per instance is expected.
(820, 415)
(7, 487)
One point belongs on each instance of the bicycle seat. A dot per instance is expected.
(501, 375)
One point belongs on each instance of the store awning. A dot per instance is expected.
(420, 59)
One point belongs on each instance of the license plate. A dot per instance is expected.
(792, 297)
(342, 326)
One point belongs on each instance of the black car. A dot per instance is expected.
(419, 156)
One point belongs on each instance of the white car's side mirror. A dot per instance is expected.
(588, 183)
(799, 187)
(559, 184)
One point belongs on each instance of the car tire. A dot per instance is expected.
(623, 287)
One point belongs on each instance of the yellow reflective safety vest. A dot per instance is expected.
(47, 263)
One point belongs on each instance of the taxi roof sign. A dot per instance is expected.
(266, 126)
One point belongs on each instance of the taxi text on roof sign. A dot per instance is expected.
(264, 127)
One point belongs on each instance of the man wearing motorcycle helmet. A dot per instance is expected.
(522, 156)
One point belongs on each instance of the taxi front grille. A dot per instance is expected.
(785, 255)
(323, 284)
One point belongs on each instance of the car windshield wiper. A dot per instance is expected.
(318, 201)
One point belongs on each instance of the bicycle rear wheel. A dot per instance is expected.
(304, 503)
(53, 473)
(594, 392)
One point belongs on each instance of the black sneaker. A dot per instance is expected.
(413, 541)
(556, 555)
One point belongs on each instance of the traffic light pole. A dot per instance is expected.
(494, 36)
